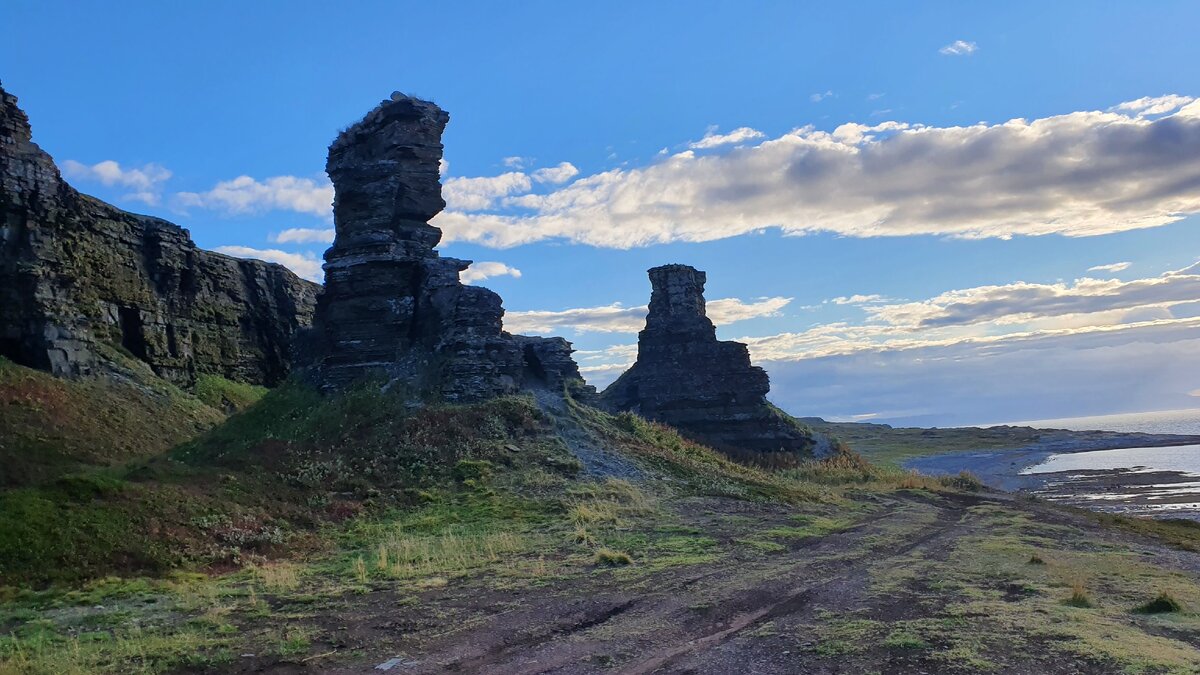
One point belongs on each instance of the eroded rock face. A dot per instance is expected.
(393, 307)
(688, 379)
(81, 279)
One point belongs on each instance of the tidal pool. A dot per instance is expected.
(1184, 459)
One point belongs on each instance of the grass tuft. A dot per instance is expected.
(611, 558)
(1162, 604)
(899, 639)
(1079, 597)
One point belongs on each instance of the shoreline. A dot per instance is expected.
(1156, 493)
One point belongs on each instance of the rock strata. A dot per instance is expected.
(393, 307)
(82, 281)
(704, 387)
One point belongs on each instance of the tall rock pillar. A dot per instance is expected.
(688, 379)
(392, 307)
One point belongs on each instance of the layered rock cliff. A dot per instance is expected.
(704, 387)
(81, 279)
(393, 307)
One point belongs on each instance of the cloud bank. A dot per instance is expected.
(1136, 165)
(985, 354)
(1079, 174)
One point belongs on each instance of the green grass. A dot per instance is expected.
(222, 394)
(704, 470)
(762, 546)
(1184, 534)
(266, 482)
(54, 426)
(901, 639)
(307, 503)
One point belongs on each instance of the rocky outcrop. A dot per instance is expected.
(704, 387)
(81, 280)
(393, 307)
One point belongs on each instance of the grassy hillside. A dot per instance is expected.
(335, 534)
(54, 426)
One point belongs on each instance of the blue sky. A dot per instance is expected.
(931, 264)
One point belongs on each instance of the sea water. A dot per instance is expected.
(1105, 480)
(1075, 478)
(1181, 458)
(1163, 422)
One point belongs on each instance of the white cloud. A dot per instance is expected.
(475, 194)
(145, 181)
(1077, 174)
(556, 175)
(1155, 105)
(959, 48)
(616, 318)
(729, 310)
(478, 271)
(515, 162)
(306, 265)
(713, 139)
(601, 366)
(820, 96)
(305, 235)
(247, 195)
(857, 299)
(1114, 267)
(1020, 301)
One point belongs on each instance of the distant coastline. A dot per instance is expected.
(1115, 472)
(1185, 421)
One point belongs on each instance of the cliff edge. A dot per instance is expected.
(82, 281)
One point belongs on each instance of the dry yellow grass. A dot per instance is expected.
(278, 576)
(405, 555)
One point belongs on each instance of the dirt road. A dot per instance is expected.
(911, 587)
